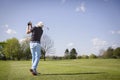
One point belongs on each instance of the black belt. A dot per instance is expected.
(35, 41)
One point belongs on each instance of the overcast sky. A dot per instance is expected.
(87, 25)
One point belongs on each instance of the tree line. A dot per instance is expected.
(109, 53)
(12, 49)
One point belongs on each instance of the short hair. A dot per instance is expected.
(40, 24)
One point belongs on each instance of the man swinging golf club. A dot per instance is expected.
(35, 46)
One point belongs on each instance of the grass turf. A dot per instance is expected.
(82, 69)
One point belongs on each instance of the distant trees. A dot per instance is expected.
(67, 54)
(108, 53)
(111, 53)
(12, 49)
(25, 49)
(73, 54)
(84, 56)
(92, 56)
(47, 46)
(116, 53)
(2, 55)
(70, 55)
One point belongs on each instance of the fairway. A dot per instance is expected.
(80, 69)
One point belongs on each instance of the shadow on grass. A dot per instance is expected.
(75, 73)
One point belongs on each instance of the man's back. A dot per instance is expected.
(36, 33)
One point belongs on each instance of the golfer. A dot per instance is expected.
(35, 46)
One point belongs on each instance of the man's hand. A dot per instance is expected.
(28, 30)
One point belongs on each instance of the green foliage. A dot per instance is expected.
(85, 56)
(111, 53)
(2, 55)
(43, 52)
(25, 50)
(73, 54)
(92, 56)
(79, 57)
(70, 55)
(12, 49)
(67, 54)
(108, 53)
(27, 54)
(116, 52)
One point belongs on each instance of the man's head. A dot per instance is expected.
(40, 24)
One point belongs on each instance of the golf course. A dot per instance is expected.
(79, 69)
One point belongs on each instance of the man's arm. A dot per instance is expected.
(28, 31)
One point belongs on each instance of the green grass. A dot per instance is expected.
(82, 69)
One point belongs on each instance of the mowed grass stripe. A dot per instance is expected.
(4, 70)
(82, 69)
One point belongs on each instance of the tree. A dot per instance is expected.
(116, 52)
(85, 56)
(108, 53)
(12, 49)
(79, 57)
(2, 55)
(67, 54)
(47, 46)
(25, 49)
(92, 56)
(101, 52)
(73, 54)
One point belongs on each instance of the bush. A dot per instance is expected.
(92, 56)
(79, 57)
(85, 56)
